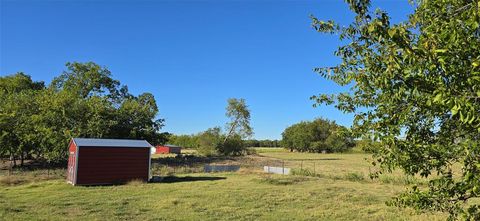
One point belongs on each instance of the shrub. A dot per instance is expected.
(234, 146)
(209, 141)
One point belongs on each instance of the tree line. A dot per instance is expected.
(319, 135)
(191, 141)
(37, 121)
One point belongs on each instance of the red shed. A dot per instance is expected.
(107, 161)
(168, 149)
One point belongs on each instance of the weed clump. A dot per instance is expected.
(354, 177)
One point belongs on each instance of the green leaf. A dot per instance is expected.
(371, 28)
(437, 98)
(392, 32)
(471, 120)
(455, 110)
(440, 50)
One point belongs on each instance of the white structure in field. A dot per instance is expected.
(276, 170)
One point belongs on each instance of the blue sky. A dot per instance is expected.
(192, 55)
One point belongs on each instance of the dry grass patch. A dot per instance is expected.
(14, 180)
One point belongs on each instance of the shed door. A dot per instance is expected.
(71, 167)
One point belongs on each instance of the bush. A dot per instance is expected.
(250, 151)
(233, 146)
(209, 142)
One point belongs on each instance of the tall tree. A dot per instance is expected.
(415, 88)
(239, 114)
(88, 79)
(17, 106)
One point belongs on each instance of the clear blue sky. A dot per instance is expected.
(192, 55)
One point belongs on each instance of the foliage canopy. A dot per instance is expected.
(415, 88)
(37, 122)
(317, 136)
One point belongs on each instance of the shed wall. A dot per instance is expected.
(176, 150)
(162, 149)
(107, 165)
(167, 149)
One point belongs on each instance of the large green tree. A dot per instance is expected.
(317, 136)
(239, 114)
(17, 106)
(415, 88)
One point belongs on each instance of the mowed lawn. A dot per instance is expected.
(244, 195)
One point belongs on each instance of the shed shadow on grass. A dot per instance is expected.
(175, 179)
(314, 159)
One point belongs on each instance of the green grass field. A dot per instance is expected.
(336, 166)
(245, 195)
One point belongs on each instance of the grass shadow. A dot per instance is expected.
(189, 160)
(175, 179)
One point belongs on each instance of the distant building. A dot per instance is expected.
(107, 161)
(165, 149)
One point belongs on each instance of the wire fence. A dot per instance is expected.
(182, 164)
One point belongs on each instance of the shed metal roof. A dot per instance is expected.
(92, 142)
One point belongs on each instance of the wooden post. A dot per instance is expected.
(283, 167)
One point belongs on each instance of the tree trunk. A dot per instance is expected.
(11, 165)
(13, 160)
(230, 131)
(22, 157)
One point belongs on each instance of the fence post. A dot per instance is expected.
(314, 168)
(283, 167)
(301, 165)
